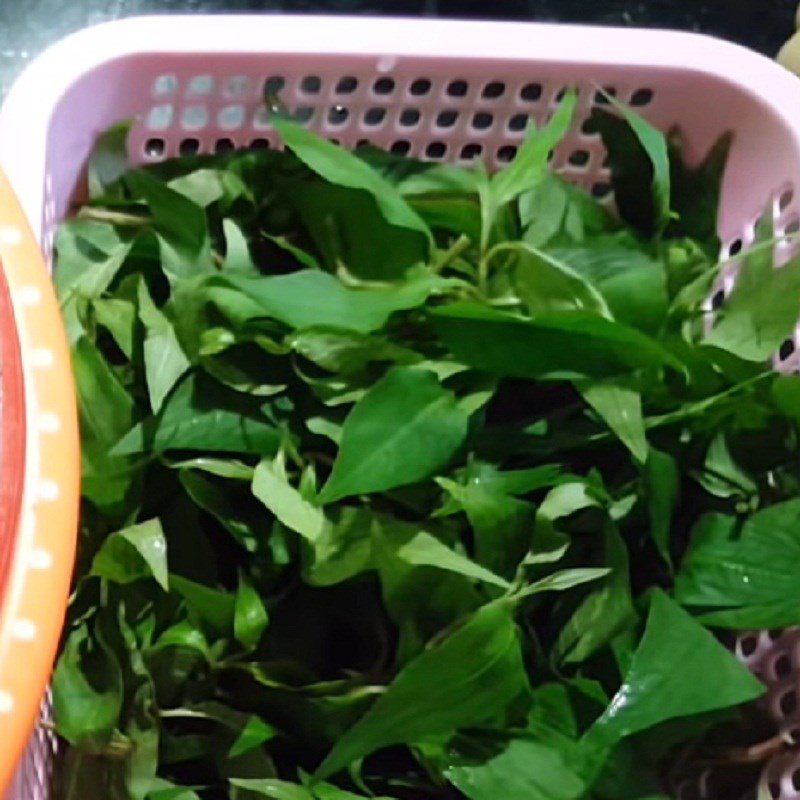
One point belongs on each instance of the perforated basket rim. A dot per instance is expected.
(29, 105)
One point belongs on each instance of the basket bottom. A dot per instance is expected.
(32, 780)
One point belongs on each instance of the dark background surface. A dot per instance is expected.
(27, 26)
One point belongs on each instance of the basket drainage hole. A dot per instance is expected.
(409, 117)
(224, 145)
(774, 789)
(436, 150)
(457, 88)
(579, 158)
(786, 349)
(155, 147)
(793, 227)
(374, 116)
(470, 151)
(717, 299)
(796, 780)
(531, 92)
(601, 189)
(420, 86)
(589, 127)
(782, 666)
(494, 89)
(383, 86)
(347, 84)
(189, 147)
(259, 144)
(274, 84)
(506, 153)
(482, 120)
(518, 122)
(642, 97)
(602, 97)
(311, 84)
(749, 643)
(788, 703)
(446, 119)
(338, 115)
(401, 147)
(736, 247)
(786, 197)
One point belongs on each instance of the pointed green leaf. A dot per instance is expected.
(477, 670)
(404, 429)
(136, 552)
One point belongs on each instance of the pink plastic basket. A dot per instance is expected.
(435, 89)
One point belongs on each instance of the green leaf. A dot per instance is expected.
(620, 407)
(108, 480)
(342, 168)
(359, 541)
(164, 790)
(272, 488)
(553, 346)
(180, 224)
(404, 429)
(273, 788)
(207, 186)
(109, 159)
(662, 487)
(202, 415)
(215, 609)
(90, 255)
(526, 770)
(250, 618)
(255, 733)
(562, 580)
(546, 284)
(763, 308)
(120, 320)
(640, 168)
(501, 524)
(557, 211)
(737, 567)
(348, 228)
(529, 166)
(87, 689)
(164, 361)
(696, 192)
(225, 504)
(423, 549)
(605, 612)
(237, 251)
(721, 475)
(631, 282)
(143, 733)
(302, 257)
(347, 352)
(139, 551)
(477, 670)
(310, 298)
(679, 669)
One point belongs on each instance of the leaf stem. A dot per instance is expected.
(113, 217)
(459, 246)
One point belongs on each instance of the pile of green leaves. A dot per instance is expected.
(405, 481)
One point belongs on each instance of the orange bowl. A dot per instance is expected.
(39, 479)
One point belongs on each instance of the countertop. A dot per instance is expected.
(28, 26)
